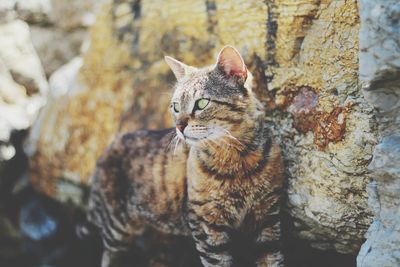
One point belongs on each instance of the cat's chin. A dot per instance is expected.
(192, 141)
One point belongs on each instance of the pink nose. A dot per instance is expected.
(181, 126)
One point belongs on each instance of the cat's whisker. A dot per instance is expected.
(208, 141)
(170, 142)
(178, 140)
(229, 135)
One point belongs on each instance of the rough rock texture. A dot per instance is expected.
(22, 85)
(380, 76)
(304, 58)
(58, 38)
(75, 14)
(56, 46)
(27, 26)
(67, 15)
(34, 11)
(20, 58)
(58, 27)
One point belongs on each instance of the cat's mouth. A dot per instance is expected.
(190, 136)
(186, 137)
(191, 140)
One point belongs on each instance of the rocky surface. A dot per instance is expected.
(380, 77)
(34, 43)
(23, 87)
(65, 45)
(36, 38)
(304, 57)
(58, 28)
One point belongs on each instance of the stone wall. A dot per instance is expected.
(380, 77)
(304, 57)
(36, 38)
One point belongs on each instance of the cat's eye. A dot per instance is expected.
(176, 107)
(202, 103)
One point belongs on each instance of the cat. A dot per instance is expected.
(217, 176)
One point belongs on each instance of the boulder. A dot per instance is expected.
(34, 11)
(7, 11)
(31, 11)
(70, 15)
(304, 58)
(22, 88)
(380, 77)
(63, 84)
(19, 56)
(56, 46)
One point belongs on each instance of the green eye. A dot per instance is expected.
(176, 107)
(202, 103)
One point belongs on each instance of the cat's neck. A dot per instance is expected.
(234, 156)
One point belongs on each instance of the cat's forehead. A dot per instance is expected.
(194, 84)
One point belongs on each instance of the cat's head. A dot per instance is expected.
(213, 103)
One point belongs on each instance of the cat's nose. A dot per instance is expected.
(181, 125)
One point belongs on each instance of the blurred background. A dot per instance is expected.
(74, 73)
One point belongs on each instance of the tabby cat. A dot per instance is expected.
(217, 176)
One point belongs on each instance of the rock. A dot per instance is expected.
(34, 11)
(307, 80)
(56, 46)
(7, 11)
(68, 15)
(22, 87)
(74, 14)
(19, 56)
(383, 238)
(380, 76)
(64, 83)
(327, 148)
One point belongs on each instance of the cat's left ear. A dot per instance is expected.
(231, 63)
(178, 68)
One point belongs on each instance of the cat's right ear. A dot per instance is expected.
(178, 68)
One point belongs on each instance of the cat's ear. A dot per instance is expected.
(178, 68)
(231, 63)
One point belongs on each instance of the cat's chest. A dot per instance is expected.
(218, 201)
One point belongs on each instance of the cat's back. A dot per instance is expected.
(142, 175)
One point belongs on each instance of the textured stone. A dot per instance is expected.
(74, 14)
(326, 167)
(7, 11)
(56, 46)
(304, 58)
(33, 11)
(19, 56)
(63, 83)
(22, 86)
(67, 15)
(380, 77)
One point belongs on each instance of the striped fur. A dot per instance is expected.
(217, 177)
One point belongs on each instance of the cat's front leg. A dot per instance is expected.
(213, 246)
(271, 259)
(269, 245)
(212, 242)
